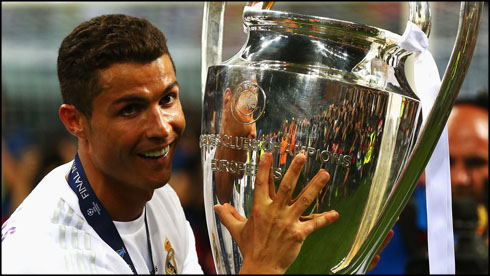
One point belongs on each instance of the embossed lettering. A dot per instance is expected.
(347, 161)
(269, 145)
(226, 141)
(337, 158)
(278, 173)
(246, 143)
(325, 155)
(203, 140)
(214, 165)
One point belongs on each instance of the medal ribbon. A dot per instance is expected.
(97, 216)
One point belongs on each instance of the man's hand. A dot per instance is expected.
(387, 240)
(271, 238)
(377, 257)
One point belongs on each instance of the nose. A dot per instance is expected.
(158, 124)
(253, 132)
(460, 176)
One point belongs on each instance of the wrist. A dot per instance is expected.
(251, 267)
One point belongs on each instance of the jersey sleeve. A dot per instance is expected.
(191, 263)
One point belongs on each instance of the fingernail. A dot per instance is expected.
(324, 176)
(302, 159)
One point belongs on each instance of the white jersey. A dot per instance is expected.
(48, 234)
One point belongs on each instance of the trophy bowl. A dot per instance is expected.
(335, 90)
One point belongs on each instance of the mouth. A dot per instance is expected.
(155, 153)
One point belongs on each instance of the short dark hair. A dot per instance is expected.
(97, 44)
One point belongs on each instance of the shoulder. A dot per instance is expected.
(167, 196)
(165, 203)
(48, 234)
(33, 227)
(38, 207)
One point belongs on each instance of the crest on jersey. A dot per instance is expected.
(215, 248)
(170, 264)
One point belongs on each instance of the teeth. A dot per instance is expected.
(156, 153)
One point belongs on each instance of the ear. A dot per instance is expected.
(227, 97)
(74, 121)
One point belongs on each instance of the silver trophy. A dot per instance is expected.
(336, 90)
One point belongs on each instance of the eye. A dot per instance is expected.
(168, 98)
(475, 162)
(129, 110)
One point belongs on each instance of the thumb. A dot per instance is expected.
(228, 216)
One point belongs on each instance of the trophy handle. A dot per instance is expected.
(212, 38)
(420, 15)
(469, 22)
(212, 34)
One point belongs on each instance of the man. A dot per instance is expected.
(110, 210)
(468, 150)
(468, 153)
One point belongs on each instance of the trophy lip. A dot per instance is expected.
(253, 17)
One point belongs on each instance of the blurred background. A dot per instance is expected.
(34, 140)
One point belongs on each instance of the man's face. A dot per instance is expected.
(136, 123)
(468, 150)
(238, 124)
(232, 125)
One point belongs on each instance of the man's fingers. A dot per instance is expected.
(234, 212)
(374, 263)
(383, 245)
(386, 241)
(310, 192)
(228, 219)
(316, 221)
(261, 186)
(289, 180)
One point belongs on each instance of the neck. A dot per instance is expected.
(121, 201)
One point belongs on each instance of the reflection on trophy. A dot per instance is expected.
(337, 91)
(236, 123)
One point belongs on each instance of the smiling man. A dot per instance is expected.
(110, 210)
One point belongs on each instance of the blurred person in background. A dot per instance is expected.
(468, 150)
(58, 151)
(21, 162)
(468, 145)
(25, 162)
